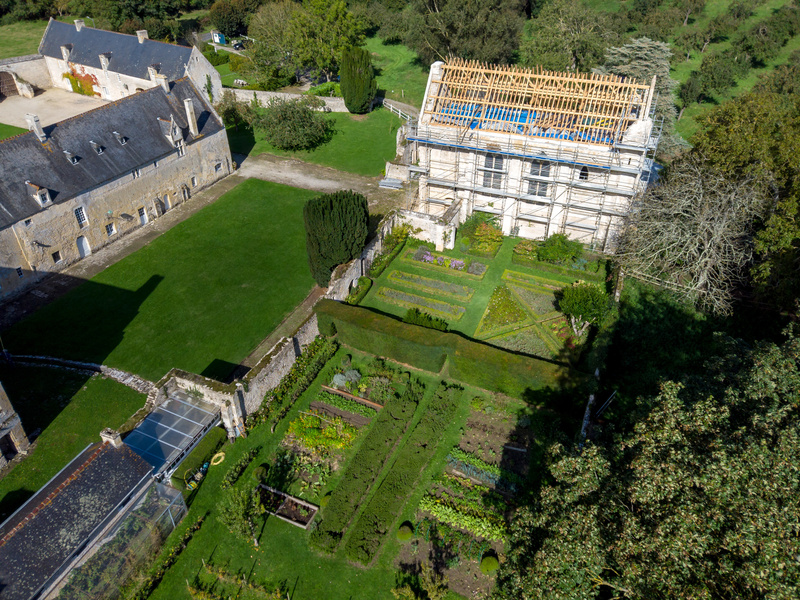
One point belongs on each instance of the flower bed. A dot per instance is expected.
(320, 434)
(423, 257)
(435, 287)
(357, 294)
(338, 400)
(535, 281)
(437, 308)
(502, 311)
(541, 303)
(526, 341)
(287, 508)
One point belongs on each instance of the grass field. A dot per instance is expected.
(400, 75)
(200, 297)
(283, 556)
(7, 131)
(21, 38)
(361, 144)
(70, 409)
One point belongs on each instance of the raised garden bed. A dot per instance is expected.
(287, 508)
(344, 394)
(432, 286)
(437, 308)
(439, 263)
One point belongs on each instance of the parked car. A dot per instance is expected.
(238, 46)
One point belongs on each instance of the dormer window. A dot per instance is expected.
(104, 60)
(71, 157)
(120, 138)
(96, 147)
(40, 194)
(181, 147)
(65, 50)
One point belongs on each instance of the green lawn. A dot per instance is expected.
(400, 74)
(200, 297)
(21, 38)
(7, 131)
(226, 74)
(70, 409)
(283, 555)
(361, 144)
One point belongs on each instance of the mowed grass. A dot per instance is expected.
(400, 73)
(7, 131)
(283, 555)
(200, 297)
(21, 38)
(71, 409)
(360, 144)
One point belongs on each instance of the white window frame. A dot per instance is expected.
(493, 170)
(110, 229)
(80, 215)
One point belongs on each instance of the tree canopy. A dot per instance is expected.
(697, 501)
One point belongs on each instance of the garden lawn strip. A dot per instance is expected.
(365, 466)
(435, 287)
(503, 314)
(437, 308)
(383, 508)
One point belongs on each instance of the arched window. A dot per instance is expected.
(584, 176)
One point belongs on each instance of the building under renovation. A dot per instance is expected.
(546, 152)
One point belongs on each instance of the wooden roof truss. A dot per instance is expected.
(579, 107)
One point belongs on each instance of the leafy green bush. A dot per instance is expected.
(336, 229)
(584, 303)
(260, 473)
(415, 316)
(381, 512)
(328, 89)
(217, 58)
(237, 63)
(393, 244)
(358, 80)
(357, 294)
(481, 234)
(559, 249)
(294, 124)
(489, 564)
(404, 532)
(501, 310)
(365, 466)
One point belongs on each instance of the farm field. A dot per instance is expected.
(496, 300)
(315, 453)
(361, 144)
(200, 297)
(69, 409)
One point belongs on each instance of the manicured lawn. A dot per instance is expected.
(7, 131)
(400, 74)
(226, 74)
(200, 297)
(21, 38)
(70, 409)
(361, 144)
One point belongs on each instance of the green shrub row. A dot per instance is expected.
(409, 300)
(477, 525)
(365, 467)
(382, 261)
(470, 459)
(347, 404)
(357, 294)
(432, 286)
(387, 502)
(415, 316)
(470, 362)
(201, 454)
(236, 469)
(296, 381)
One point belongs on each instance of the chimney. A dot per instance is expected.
(36, 127)
(104, 60)
(111, 436)
(163, 82)
(78, 24)
(142, 35)
(187, 104)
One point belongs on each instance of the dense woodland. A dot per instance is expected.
(688, 488)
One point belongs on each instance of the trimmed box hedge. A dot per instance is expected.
(470, 362)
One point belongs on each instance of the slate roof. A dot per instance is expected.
(136, 118)
(51, 526)
(126, 54)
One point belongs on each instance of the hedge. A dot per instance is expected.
(387, 502)
(365, 467)
(470, 362)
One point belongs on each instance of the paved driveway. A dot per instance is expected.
(50, 106)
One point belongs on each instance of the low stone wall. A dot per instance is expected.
(331, 104)
(31, 69)
(433, 229)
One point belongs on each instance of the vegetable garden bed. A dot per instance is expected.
(287, 508)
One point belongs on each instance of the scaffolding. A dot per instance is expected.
(547, 153)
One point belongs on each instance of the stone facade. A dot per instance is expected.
(331, 104)
(13, 439)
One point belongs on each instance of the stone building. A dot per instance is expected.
(13, 440)
(115, 65)
(545, 152)
(73, 187)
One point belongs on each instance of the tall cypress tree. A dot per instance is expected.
(336, 229)
(357, 80)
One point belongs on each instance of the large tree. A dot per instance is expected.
(271, 53)
(567, 35)
(336, 229)
(693, 232)
(698, 501)
(643, 59)
(320, 32)
(357, 80)
(486, 30)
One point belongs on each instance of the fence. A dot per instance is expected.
(129, 547)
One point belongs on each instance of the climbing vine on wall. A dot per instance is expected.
(82, 83)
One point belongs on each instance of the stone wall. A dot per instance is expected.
(31, 245)
(199, 69)
(32, 69)
(331, 104)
